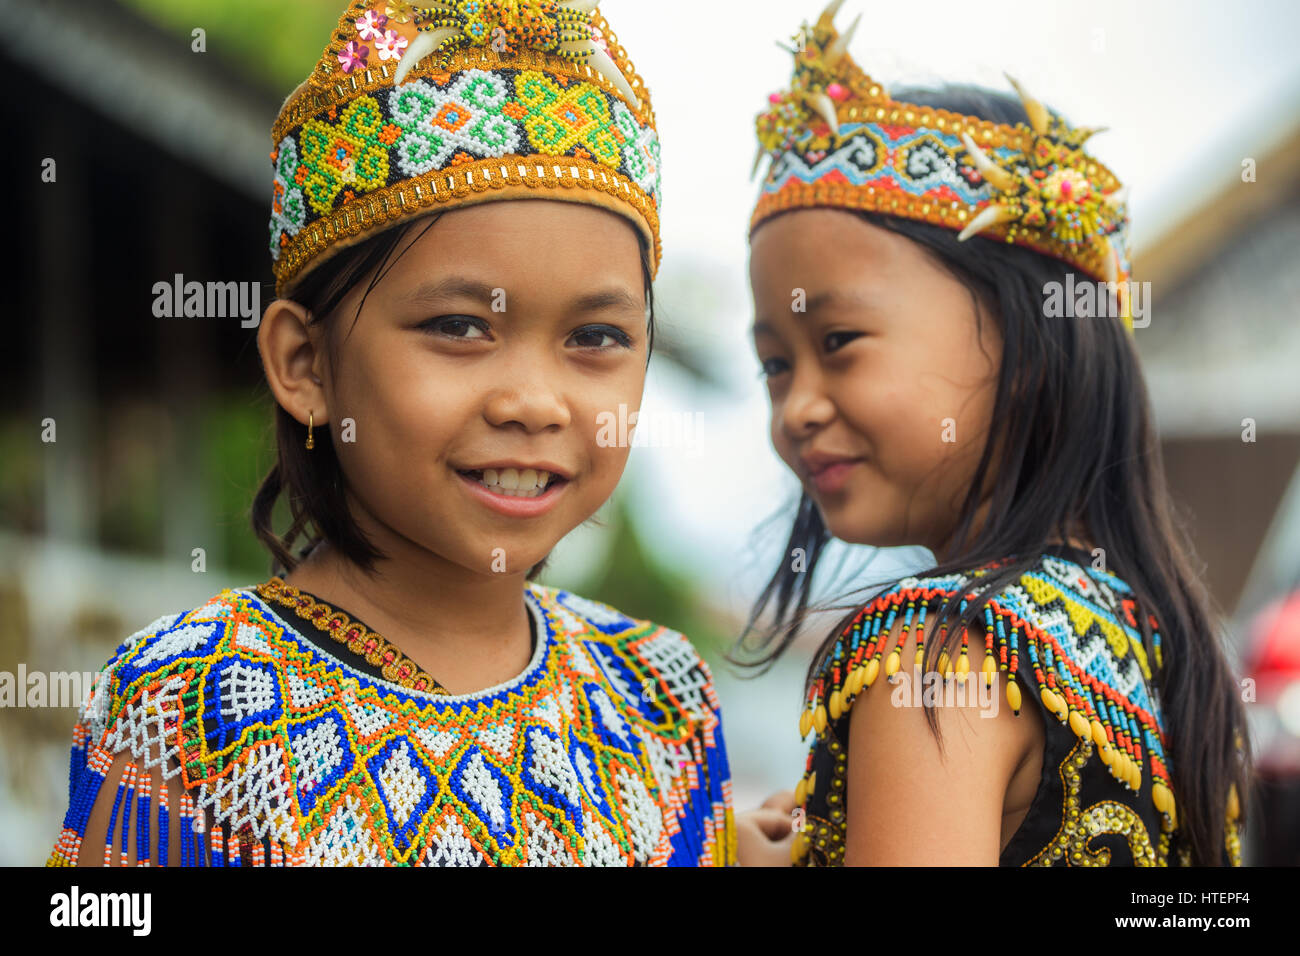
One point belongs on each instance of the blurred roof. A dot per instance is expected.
(136, 66)
(1226, 212)
(1223, 343)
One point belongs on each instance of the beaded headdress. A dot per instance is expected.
(837, 139)
(416, 109)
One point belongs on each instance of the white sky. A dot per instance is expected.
(1186, 89)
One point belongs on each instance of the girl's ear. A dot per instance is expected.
(294, 360)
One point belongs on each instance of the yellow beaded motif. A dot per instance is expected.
(822, 841)
(1078, 827)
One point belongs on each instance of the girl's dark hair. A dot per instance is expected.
(313, 481)
(1077, 447)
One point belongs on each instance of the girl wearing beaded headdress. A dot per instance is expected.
(1053, 689)
(464, 234)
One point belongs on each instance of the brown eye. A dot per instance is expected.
(457, 326)
(840, 339)
(592, 336)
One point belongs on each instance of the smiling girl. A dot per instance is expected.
(465, 290)
(1053, 690)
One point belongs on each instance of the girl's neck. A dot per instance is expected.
(470, 631)
(1077, 538)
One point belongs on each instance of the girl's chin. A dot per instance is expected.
(852, 532)
(861, 529)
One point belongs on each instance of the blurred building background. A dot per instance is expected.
(164, 425)
(1222, 358)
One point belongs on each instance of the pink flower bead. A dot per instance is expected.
(353, 56)
(370, 26)
(391, 45)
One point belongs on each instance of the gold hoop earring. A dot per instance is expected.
(310, 444)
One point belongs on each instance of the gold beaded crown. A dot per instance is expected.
(837, 139)
(417, 109)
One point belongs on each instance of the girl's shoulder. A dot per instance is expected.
(1060, 635)
(1064, 635)
(1085, 614)
(655, 668)
(159, 657)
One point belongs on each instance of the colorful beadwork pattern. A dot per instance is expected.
(837, 139)
(355, 636)
(530, 99)
(1070, 634)
(607, 750)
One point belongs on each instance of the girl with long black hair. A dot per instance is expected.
(1054, 690)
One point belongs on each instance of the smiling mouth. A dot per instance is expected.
(514, 482)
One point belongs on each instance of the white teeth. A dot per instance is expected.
(514, 483)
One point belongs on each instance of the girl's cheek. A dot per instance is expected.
(780, 443)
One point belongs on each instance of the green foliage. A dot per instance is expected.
(238, 450)
(21, 491)
(275, 42)
(133, 452)
(641, 587)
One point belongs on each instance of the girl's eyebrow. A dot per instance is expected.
(451, 286)
(841, 297)
(608, 299)
(848, 299)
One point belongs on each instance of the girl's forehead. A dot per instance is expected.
(586, 294)
(824, 239)
(514, 235)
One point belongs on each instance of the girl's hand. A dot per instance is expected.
(782, 800)
(764, 837)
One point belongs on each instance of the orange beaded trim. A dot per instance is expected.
(1044, 192)
(439, 186)
(940, 212)
(395, 666)
(932, 208)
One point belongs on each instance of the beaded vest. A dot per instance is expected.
(1068, 631)
(606, 750)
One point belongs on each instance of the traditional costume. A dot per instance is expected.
(304, 738)
(299, 735)
(1068, 633)
(1065, 633)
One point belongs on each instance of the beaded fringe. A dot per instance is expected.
(1095, 711)
(199, 845)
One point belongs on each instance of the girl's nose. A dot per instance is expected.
(533, 404)
(807, 407)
